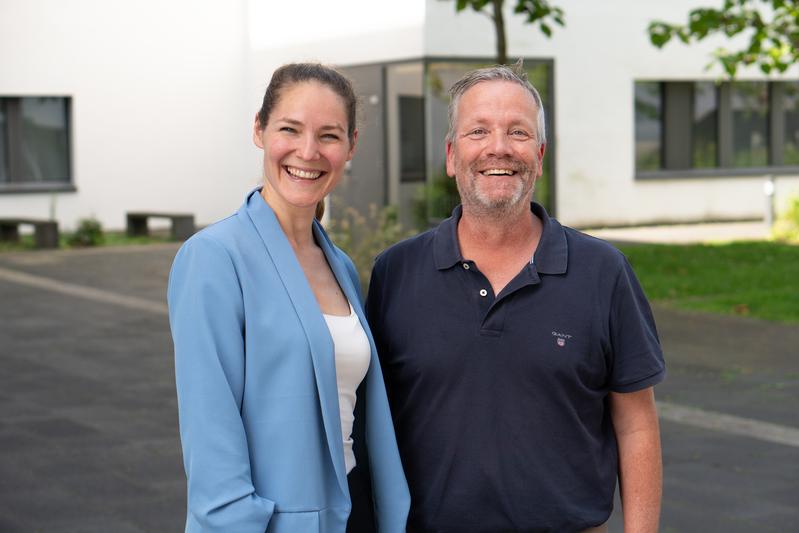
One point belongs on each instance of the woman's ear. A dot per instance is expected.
(257, 133)
(352, 145)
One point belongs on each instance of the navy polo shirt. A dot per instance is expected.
(500, 404)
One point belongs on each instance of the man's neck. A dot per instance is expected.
(498, 233)
(500, 246)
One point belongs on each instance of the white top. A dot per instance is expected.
(353, 355)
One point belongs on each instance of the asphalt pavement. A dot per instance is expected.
(88, 418)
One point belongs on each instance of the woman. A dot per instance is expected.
(271, 342)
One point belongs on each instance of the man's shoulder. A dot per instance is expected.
(583, 243)
(587, 250)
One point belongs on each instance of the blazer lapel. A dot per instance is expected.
(346, 283)
(311, 319)
(338, 267)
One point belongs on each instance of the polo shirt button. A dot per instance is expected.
(466, 266)
(483, 292)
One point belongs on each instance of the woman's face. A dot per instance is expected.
(305, 146)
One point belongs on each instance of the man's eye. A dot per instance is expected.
(519, 133)
(477, 132)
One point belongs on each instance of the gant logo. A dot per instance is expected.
(561, 338)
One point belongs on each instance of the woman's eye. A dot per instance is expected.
(288, 129)
(330, 137)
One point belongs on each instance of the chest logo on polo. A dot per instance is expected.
(561, 338)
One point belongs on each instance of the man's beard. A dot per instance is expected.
(474, 197)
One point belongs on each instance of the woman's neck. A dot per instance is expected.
(295, 222)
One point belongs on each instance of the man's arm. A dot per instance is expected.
(640, 469)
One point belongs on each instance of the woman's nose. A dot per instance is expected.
(309, 149)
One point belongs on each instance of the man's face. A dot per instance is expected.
(495, 154)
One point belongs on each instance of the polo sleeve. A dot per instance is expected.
(206, 314)
(637, 356)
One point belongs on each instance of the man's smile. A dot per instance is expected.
(498, 172)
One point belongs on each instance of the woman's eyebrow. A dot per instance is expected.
(296, 122)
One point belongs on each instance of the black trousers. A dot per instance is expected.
(362, 519)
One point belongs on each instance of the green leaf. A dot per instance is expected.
(659, 33)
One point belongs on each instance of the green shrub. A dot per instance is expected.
(435, 201)
(88, 233)
(363, 237)
(786, 228)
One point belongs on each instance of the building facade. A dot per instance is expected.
(114, 106)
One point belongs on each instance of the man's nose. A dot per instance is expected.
(309, 149)
(499, 144)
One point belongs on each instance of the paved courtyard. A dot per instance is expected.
(88, 421)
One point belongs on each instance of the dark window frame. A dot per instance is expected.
(25, 187)
(407, 106)
(724, 132)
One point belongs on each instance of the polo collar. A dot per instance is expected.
(551, 255)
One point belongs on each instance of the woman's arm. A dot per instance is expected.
(206, 315)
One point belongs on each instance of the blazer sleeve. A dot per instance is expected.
(206, 314)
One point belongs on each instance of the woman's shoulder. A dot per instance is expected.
(220, 240)
(222, 231)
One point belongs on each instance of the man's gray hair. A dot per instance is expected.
(514, 74)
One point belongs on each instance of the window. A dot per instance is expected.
(790, 149)
(749, 103)
(412, 140)
(34, 143)
(704, 128)
(648, 120)
(704, 131)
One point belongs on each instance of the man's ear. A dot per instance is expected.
(541, 150)
(257, 133)
(450, 160)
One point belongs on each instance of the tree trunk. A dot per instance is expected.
(499, 25)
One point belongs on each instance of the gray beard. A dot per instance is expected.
(499, 208)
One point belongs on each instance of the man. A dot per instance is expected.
(519, 354)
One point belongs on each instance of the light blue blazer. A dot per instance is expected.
(257, 393)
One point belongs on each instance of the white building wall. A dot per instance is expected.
(164, 94)
(602, 50)
(158, 103)
(346, 32)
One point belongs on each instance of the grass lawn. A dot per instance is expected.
(111, 238)
(751, 278)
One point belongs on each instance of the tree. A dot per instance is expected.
(536, 11)
(772, 27)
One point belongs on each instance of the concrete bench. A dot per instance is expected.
(182, 224)
(45, 232)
